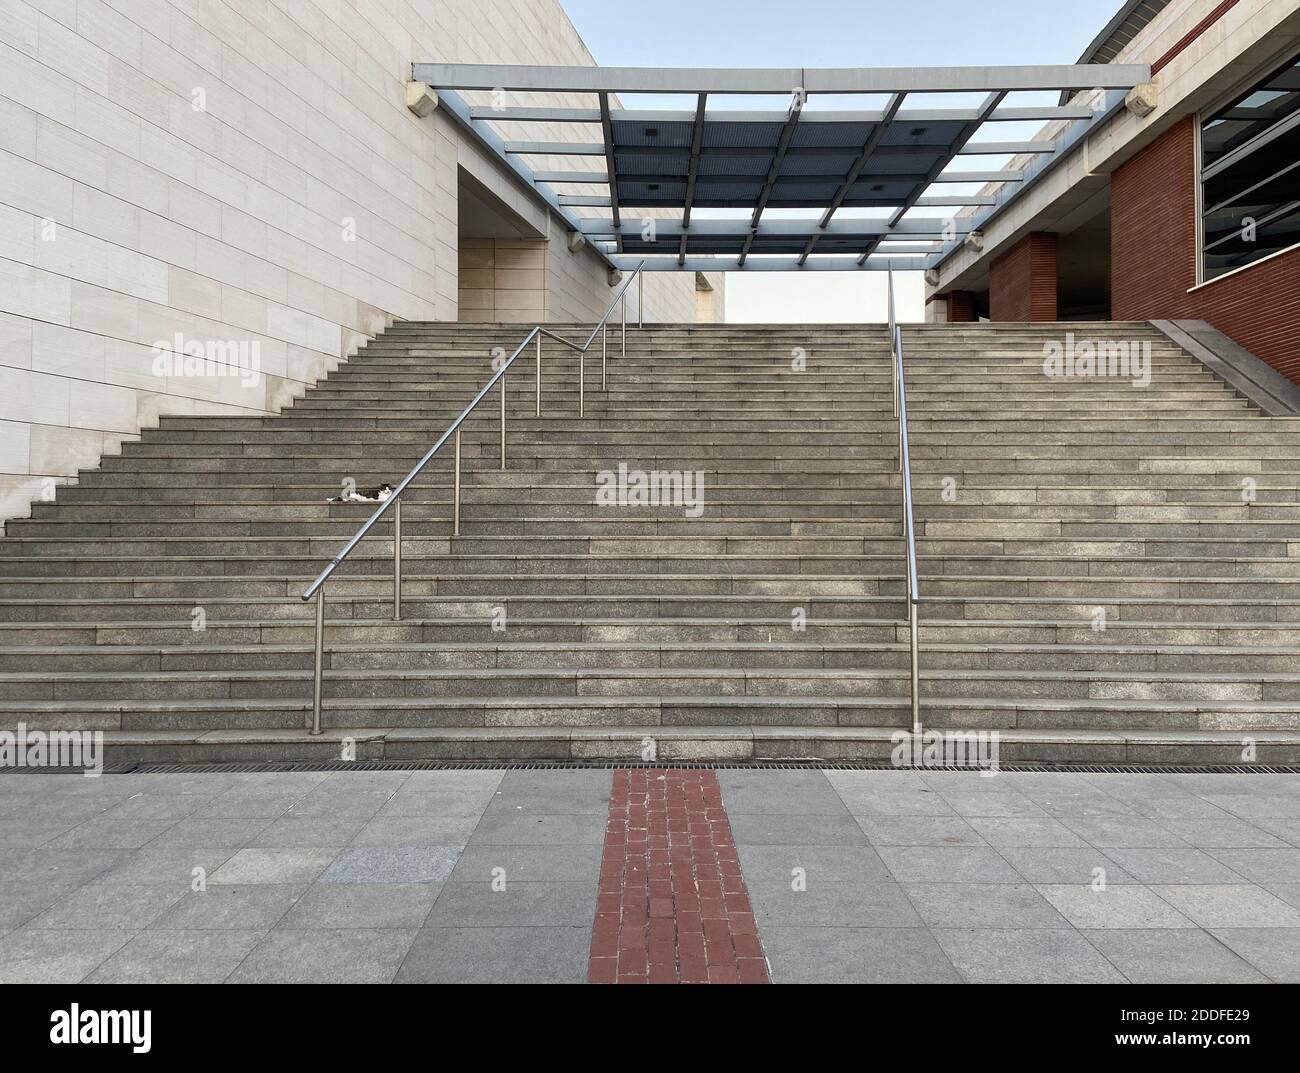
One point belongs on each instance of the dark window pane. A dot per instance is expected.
(1273, 236)
(1257, 165)
(1265, 198)
(1273, 100)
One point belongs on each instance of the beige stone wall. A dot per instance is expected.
(236, 173)
(502, 280)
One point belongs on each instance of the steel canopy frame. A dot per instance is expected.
(819, 161)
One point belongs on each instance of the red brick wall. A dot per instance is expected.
(961, 306)
(1153, 259)
(1022, 281)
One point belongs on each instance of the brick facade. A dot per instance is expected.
(1153, 259)
(961, 306)
(1022, 281)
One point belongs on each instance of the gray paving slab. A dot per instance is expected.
(1171, 806)
(853, 955)
(1172, 865)
(178, 957)
(1288, 892)
(800, 802)
(1273, 951)
(1106, 832)
(896, 801)
(159, 806)
(789, 780)
(545, 903)
(325, 956)
(991, 803)
(448, 803)
(362, 905)
(982, 905)
(853, 864)
(1025, 831)
(1172, 956)
(1025, 956)
(392, 831)
(517, 829)
(1286, 828)
(274, 866)
(830, 903)
(1117, 905)
(484, 955)
(337, 803)
(1210, 832)
(1258, 804)
(231, 907)
(919, 831)
(176, 865)
(212, 831)
(237, 804)
(479, 863)
(484, 779)
(783, 829)
(351, 782)
(100, 906)
(22, 898)
(66, 867)
(106, 832)
(288, 832)
(1278, 865)
(56, 955)
(1240, 905)
(392, 865)
(948, 864)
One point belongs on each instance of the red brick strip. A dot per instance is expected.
(672, 906)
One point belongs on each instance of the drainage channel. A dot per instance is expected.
(271, 766)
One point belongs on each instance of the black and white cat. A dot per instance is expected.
(365, 495)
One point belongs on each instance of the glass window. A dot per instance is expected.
(1250, 174)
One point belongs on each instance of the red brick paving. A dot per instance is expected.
(672, 906)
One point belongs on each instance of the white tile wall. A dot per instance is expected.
(302, 207)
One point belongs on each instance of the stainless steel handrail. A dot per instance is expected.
(394, 500)
(909, 520)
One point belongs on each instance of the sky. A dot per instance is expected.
(834, 33)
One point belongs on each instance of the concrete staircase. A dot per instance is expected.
(1041, 504)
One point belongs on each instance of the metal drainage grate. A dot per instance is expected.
(269, 766)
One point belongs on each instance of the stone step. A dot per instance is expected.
(381, 655)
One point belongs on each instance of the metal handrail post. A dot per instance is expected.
(316, 589)
(582, 382)
(623, 314)
(318, 666)
(916, 667)
(455, 491)
(640, 298)
(397, 560)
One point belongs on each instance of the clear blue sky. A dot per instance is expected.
(833, 33)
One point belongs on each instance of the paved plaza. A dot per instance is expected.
(497, 876)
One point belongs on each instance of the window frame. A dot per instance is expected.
(1206, 172)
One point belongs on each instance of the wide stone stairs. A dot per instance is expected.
(1107, 571)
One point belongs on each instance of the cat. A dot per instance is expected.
(365, 495)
